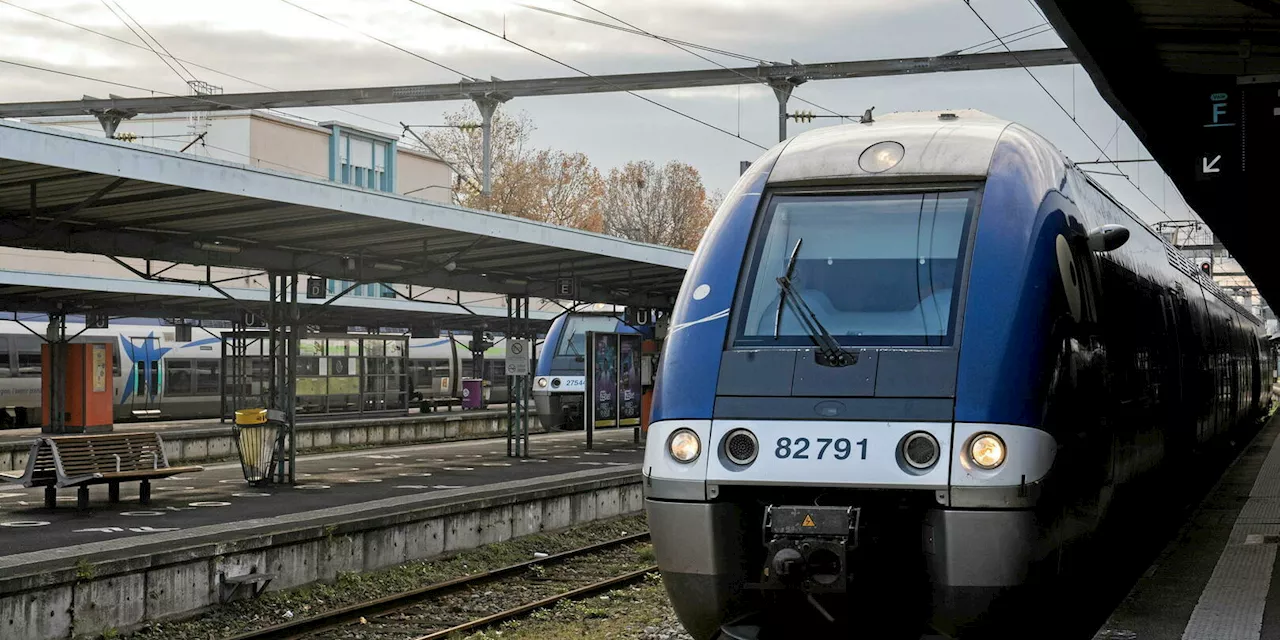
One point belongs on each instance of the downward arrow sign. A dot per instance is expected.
(1210, 166)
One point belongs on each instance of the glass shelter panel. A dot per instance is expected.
(335, 374)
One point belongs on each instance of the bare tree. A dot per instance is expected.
(461, 145)
(660, 205)
(539, 184)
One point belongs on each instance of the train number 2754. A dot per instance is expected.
(802, 449)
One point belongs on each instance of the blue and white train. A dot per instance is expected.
(158, 377)
(560, 383)
(911, 361)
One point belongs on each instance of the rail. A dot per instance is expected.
(381, 607)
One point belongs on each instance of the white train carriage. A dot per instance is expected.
(158, 377)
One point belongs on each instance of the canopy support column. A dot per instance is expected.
(518, 387)
(488, 104)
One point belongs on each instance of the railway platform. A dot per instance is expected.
(1214, 580)
(199, 441)
(115, 566)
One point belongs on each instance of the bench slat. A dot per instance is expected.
(150, 473)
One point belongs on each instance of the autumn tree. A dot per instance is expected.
(539, 184)
(660, 205)
(557, 187)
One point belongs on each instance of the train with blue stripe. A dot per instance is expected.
(157, 377)
(560, 383)
(915, 360)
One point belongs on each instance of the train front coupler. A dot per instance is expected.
(807, 550)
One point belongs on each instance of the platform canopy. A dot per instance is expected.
(45, 293)
(1198, 82)
(70, 192)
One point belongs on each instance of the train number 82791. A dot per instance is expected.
(819, 448)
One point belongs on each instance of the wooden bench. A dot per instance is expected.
(58, 462)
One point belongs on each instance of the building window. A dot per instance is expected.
(368, 290)
(366, 161)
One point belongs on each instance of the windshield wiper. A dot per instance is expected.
(828, 347)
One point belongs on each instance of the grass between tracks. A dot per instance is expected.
(352, 588)
(637, 612)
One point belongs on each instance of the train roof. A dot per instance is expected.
(956, 143)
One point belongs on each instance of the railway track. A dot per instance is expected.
(436, 608)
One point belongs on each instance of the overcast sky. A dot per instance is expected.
(274, 44)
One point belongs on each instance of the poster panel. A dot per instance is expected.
(629, 390)
(99, 368)
(604, 379)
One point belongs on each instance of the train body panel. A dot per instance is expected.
(1002, 348)
(156, 377)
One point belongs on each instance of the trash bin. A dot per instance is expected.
(472, 393)
(255, 438)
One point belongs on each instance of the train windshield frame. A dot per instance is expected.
(879, 267)
(573, 339)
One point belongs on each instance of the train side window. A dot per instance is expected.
(6, 369)
(421, 372)
(115, 361)
(208, 374)
(179, 377)
(28, 356)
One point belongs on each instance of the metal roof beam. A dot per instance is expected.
(137, 244)
(465, 90)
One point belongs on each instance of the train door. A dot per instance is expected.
(145, 401)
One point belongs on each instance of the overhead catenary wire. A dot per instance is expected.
(153, 38)
(137, 88)
(996, 41)
(690, 51)
(589, 75)
(185, 63)
(1054, 98)
(376, 38)
(196, 98)
(143, 40)
(638, 31)
(1046, 29)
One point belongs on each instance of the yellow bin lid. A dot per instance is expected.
(251, 416)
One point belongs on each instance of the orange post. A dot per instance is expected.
(648, 349)
(88, 384)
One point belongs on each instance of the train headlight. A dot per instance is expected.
(542, 383)
(555, 383)
(987, 450)
(881, 156)
(684, 445)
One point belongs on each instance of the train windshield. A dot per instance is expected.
(573, 340)
(876, 269)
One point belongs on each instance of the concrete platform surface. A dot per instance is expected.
(1214, 581)
(220, 495)
(165, 427)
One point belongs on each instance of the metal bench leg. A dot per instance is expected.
(113, 492)
(144, 492)
(82, 497)
(50, 496)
